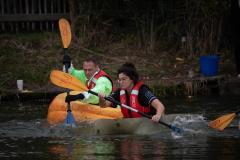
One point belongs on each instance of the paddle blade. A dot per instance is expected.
(70, 121)
(176, 129)
(222, 122)
(65, 31)
(66, 80)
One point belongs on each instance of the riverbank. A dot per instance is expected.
(31, 57)
(198, 86)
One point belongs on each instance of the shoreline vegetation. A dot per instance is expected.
(32, 56)
(164, 39)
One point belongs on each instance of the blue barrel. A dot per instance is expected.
(209, 65)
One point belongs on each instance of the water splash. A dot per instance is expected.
(191, 124)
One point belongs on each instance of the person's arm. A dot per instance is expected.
(102, 102)
(79, 74)
(103, 85)
(159, 110)
(147, 98)
(105, 103)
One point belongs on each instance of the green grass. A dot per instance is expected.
(32, 56)
(29, 57)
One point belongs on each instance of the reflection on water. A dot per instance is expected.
(25, 134)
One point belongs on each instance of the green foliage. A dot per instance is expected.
(112, 30)
(155, 24)
(26, 56)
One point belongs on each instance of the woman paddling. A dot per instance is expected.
(135, 94)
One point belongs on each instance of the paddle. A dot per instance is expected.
(222, 122)
(66, 37)
(65, 80)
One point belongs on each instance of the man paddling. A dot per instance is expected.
(135, 94)
(93, 77)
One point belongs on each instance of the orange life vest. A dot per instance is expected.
(101, 73)
(133, 102)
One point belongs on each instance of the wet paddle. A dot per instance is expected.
(66, 37)
(65, 80)
(222, 122)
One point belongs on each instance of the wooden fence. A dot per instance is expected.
(31, 15)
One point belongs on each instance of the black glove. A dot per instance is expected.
(70, 98)
(67, 61)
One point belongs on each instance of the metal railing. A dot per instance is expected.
(31, 15)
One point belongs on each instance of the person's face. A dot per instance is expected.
(89, 68)
(124, 81)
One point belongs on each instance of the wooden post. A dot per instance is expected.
(64, 6)
(15, 4)
(20, 11)
(33, 13)
(2, 9)
(39, 9)
(27, 13)
(2, 13)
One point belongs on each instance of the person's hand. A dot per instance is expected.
(156, 117)
(101, 99)
(101, 95)
(69, 69)
(70, 98)
(67, 61)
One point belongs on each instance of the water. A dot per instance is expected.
(25, 134)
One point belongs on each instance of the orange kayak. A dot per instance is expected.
(57, 111)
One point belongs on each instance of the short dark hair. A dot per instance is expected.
(129, 70)
(91, 59)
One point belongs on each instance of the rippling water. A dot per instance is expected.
(25, 134)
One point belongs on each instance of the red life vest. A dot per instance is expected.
(101, 73)
(133, 102)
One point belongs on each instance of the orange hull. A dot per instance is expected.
(57, 111)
